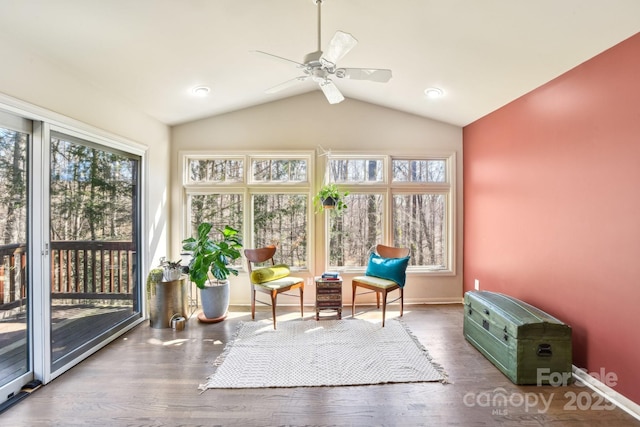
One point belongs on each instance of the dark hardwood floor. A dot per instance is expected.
(149, 377)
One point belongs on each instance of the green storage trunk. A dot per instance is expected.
(517, 338)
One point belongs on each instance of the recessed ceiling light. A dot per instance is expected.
(201, 91)
(433, 92)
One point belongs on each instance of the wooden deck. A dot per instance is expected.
(149, 377)
(13, 350)
(72, 326)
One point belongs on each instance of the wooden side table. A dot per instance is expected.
(328, 296)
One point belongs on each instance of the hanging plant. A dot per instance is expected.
(154, 277)
(330, 197)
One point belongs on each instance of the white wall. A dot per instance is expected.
(35, 84)
(304, 122)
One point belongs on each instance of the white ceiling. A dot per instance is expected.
(482, 53)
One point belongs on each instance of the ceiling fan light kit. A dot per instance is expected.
(319, 66)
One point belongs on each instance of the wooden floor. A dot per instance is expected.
(149, 377)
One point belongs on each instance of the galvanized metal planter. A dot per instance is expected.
(167, 299)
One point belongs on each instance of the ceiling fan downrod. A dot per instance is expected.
(319, 3)
(313, 59)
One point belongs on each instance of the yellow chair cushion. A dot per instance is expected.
(375, 281)
(268, 274)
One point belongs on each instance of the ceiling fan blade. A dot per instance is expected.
(340, 45)
(287, 84)
(371, 74)
(331, 91)
(278, 57)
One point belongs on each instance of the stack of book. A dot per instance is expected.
(331, 275)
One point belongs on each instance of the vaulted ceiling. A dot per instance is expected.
(481, 53)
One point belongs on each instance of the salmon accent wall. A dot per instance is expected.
(552, 207)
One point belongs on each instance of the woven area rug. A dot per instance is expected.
(308, 353)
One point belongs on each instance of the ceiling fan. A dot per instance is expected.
(319, 66)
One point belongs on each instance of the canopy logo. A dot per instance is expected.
(500, 401)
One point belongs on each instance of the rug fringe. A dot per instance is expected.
(227, 346)
(439, 367)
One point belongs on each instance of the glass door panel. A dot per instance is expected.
(94, 244)
(14, 310)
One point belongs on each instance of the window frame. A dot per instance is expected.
(388, 188)
(249, 187)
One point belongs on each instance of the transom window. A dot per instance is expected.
(279, 170)
(215, 170)
(419, 170)
(356, 170)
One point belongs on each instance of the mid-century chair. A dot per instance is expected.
(385, 273)
(271, 279)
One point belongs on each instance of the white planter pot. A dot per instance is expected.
(215, 301)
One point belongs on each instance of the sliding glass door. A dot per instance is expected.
(94, 245)
(70, 209)
(15, 366)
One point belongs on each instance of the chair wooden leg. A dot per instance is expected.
(301, 302)
(274, 297)
(353, 299)
(378, 299)
(253, 303)
(384, 305)
(401, 301)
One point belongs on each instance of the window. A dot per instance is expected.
(218, 209)
(419, 171)
(215, 170)
(397, 201)
(266, 196)
(352, 171)
(419, 223)
(280, 220)
(401, 201)
(356, 231)
(278, 170)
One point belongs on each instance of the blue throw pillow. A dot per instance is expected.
(394, 269)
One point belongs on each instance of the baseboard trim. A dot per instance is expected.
(440, 301)
(607, 392)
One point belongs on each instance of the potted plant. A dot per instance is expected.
(330, 196)
(155, 276)
(172, 270)
(209, 267)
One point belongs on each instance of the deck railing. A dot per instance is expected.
(79, 270)
(13, 278)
